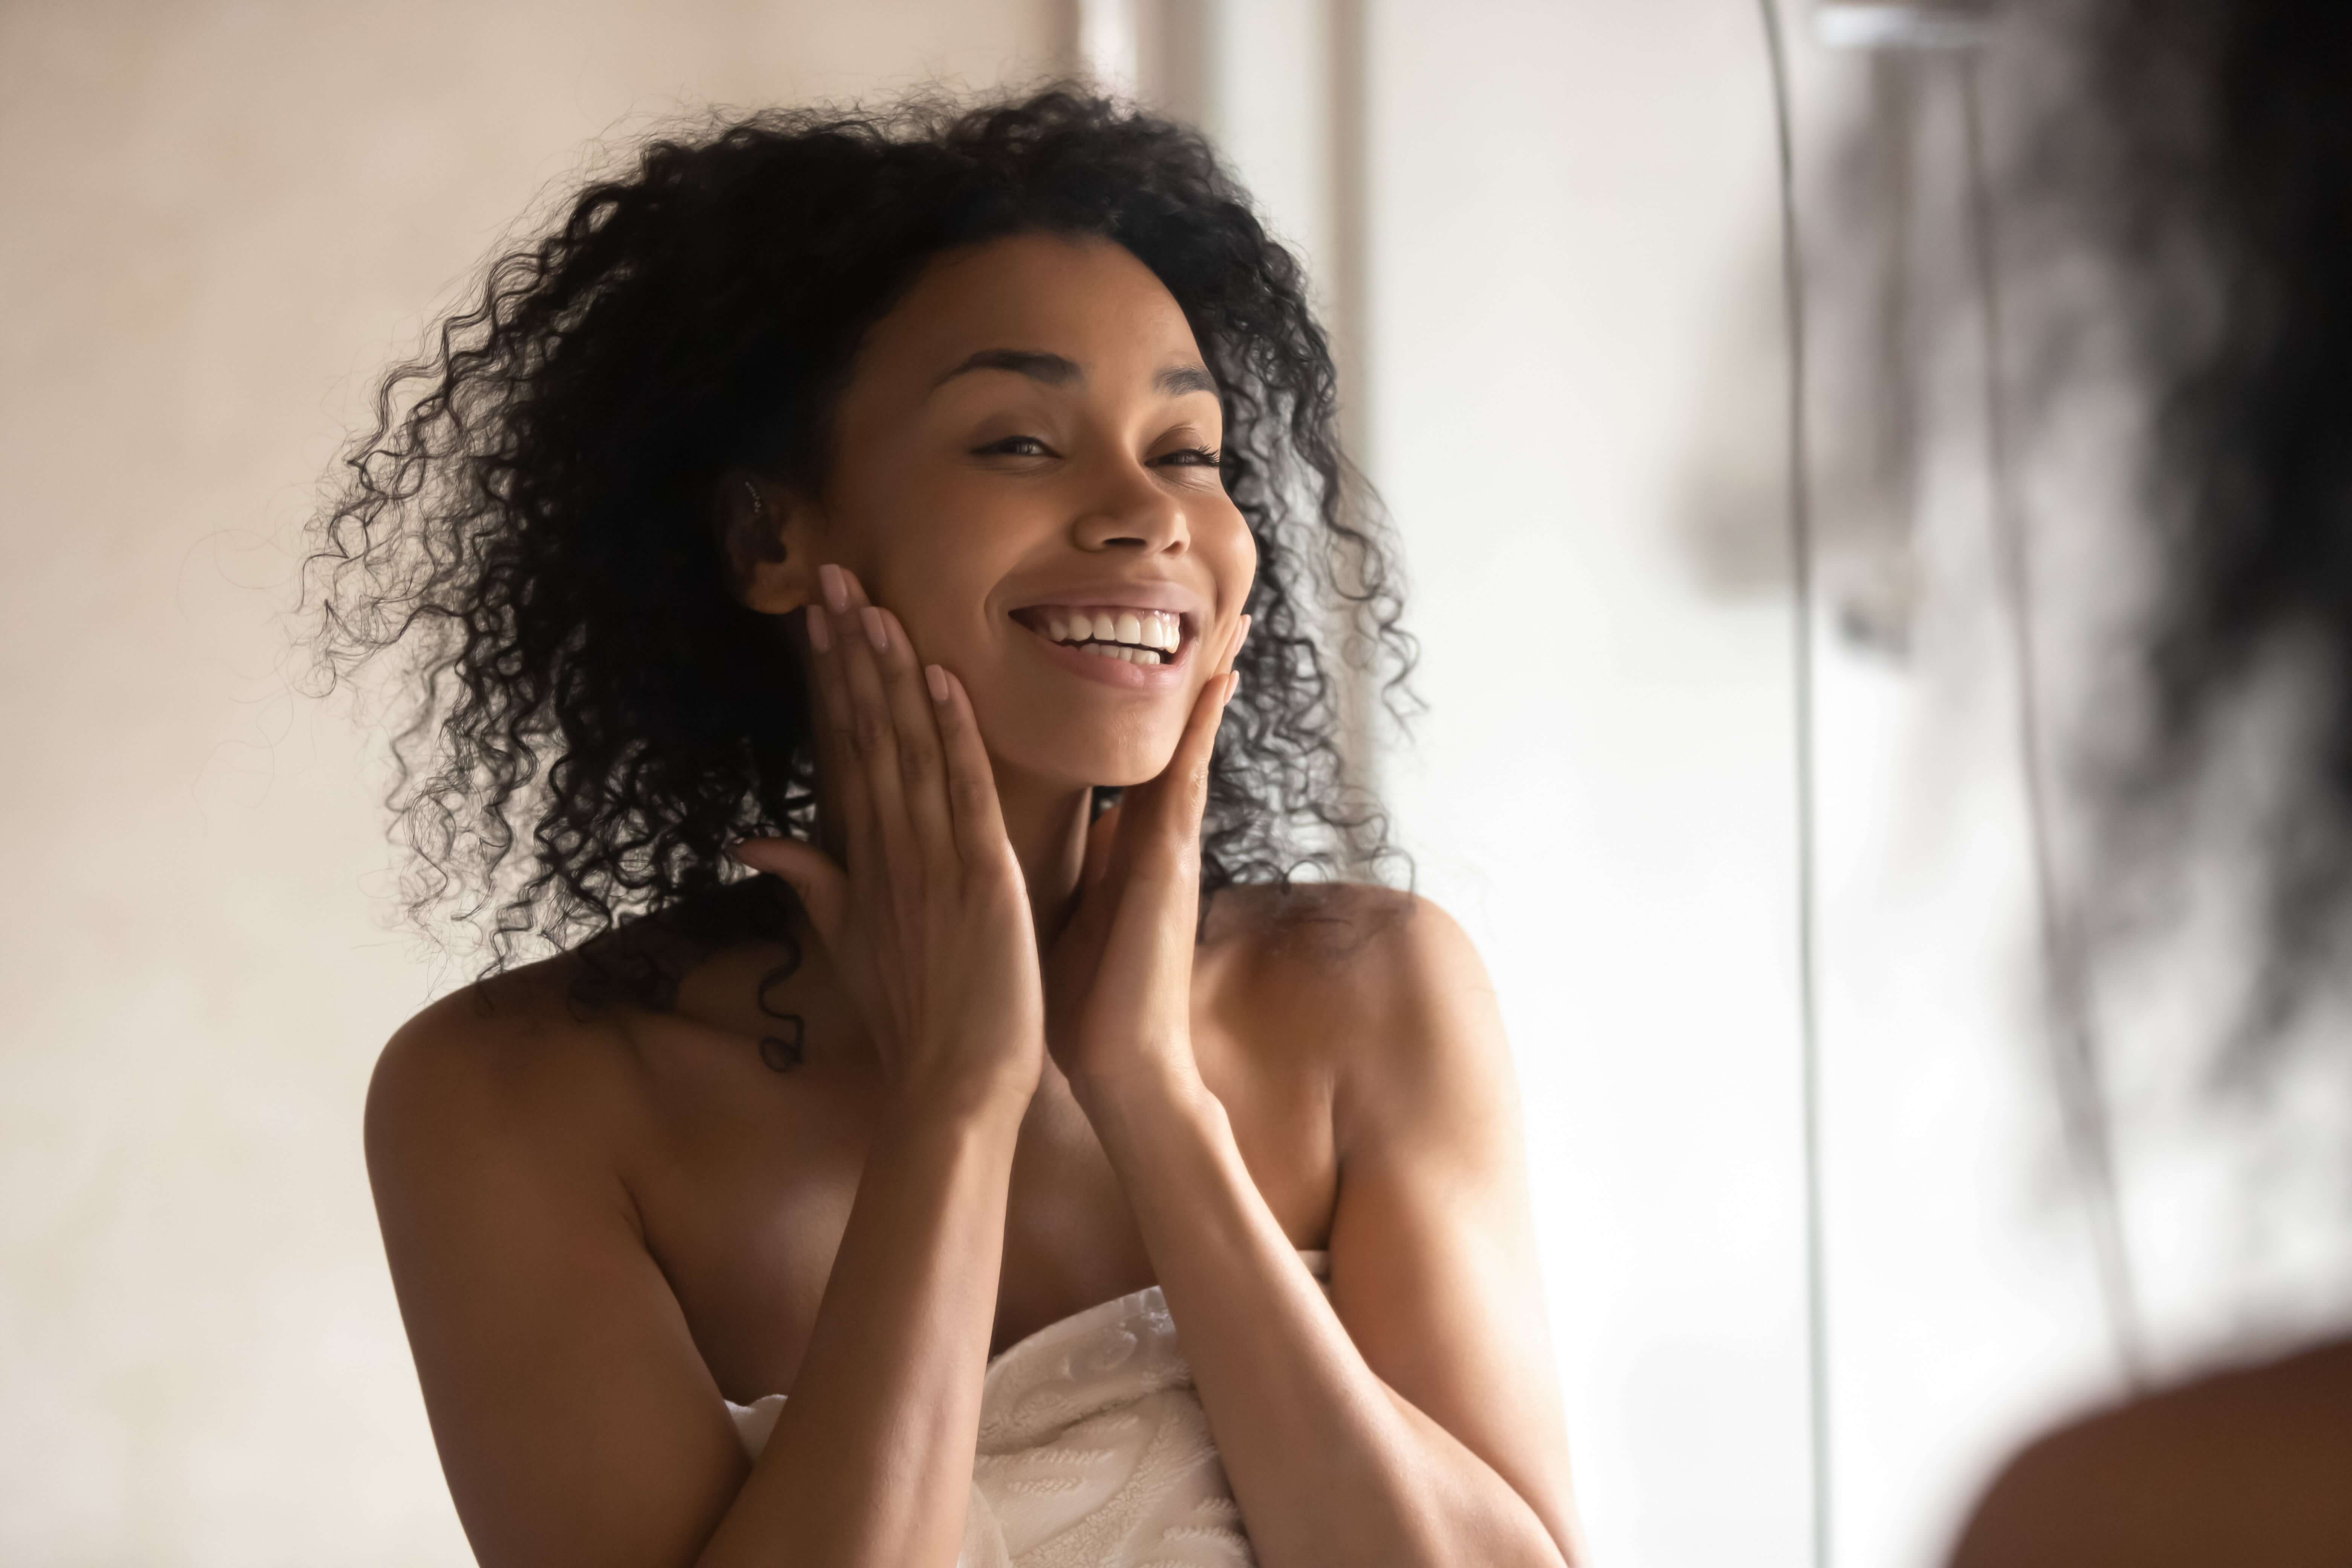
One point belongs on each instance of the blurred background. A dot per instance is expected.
(1545, 236)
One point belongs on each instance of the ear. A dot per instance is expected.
(766, 538)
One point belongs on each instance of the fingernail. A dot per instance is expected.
(820, 629)
(836, 587)
(937, 680)
(1233, 685)
(877, 632)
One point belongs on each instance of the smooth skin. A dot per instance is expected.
(2251, 1466)
(1026, 1087)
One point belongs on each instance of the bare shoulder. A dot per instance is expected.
(504, 1062)
(1344, 952)
(1432, 1240)
(575, 1417)
(2243, 1465)
(1384, 985)
(1334, 939)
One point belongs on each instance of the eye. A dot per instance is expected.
(1192, 457)
(1015, 446)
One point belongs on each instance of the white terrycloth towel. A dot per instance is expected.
(1094, 1450)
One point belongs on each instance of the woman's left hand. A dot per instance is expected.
(1118, 979)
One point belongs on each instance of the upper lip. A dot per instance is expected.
(1152, 594)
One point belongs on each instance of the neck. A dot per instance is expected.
(1047, 825)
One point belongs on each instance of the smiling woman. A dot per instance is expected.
(867, 501)
(541, 514)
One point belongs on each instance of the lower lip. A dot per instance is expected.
(1115, 672)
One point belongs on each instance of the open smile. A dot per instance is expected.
(1126, 645)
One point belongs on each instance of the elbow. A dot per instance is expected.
(1503, 1531)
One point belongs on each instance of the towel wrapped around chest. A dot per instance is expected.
(1094, 1450)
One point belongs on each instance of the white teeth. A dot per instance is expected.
(1138, 637)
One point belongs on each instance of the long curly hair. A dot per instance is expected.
(590, 717)
(2198, 152)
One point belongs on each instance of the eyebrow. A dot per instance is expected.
(1053, 370)
(1058, 369)
(1182, 378)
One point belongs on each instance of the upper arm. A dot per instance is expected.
(2244, 1465)
(2093, 1495)
(575, 1420)
(2030, 1517)
(1433, 1244)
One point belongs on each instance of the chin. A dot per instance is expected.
(1124, 775)
(1109, 767)
(1075, 734)
(1124, 778)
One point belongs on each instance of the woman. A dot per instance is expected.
(2196, 155)
(855, 498)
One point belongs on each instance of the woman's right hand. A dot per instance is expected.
(928, 927)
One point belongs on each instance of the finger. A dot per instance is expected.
(1172, 802)
(1102, 841)
(824, 685)
(876, 737)
(1234, 647)
(922, 772)
(818, 883)
(1199, 736)
(1178, 798)
(836, 723)
(970, 782)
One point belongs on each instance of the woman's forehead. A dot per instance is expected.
(1084, 299)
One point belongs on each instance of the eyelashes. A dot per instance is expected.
(1030, 446)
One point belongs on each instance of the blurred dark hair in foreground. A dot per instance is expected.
(2198, 152)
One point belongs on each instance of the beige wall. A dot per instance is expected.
(217, 221)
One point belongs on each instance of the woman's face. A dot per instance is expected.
(1025, 470)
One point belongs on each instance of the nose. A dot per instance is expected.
(1130, 510)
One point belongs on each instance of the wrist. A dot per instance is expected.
(1149, 1087)
(1160, 1131)
(994, 1101)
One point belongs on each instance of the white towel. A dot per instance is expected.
(1094, 1451)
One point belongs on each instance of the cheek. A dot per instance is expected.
(929, 553)
(941, 594)
(1225, 541)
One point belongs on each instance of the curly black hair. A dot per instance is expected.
(2200, 152)
(532, 515)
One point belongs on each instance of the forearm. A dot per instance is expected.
(1327, 1463)
(871, 1460)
